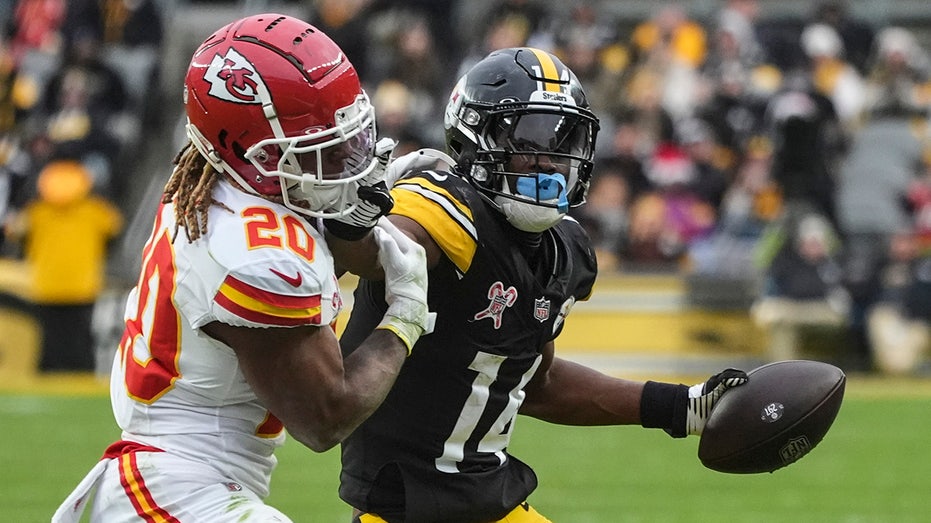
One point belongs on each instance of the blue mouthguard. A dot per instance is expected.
(542, 186)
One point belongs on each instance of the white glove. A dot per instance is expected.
(374, 198)
(703, 396)
(405, 265)
(419, 160)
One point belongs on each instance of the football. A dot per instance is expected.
(773, 420)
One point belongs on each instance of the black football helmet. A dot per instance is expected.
(523, 103)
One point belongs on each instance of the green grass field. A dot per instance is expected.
(873, 466)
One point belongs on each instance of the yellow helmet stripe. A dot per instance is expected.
(548, 68)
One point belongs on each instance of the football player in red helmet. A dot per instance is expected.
(280, 112)
(506, 267)
(228, 334)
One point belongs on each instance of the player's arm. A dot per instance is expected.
(300, 376)
(360, 257)
(298, 373)
(349, 239)
(568, 393)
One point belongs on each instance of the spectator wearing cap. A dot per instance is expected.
(832, 75)
(808, 143)
(898, 76)
(857, 35)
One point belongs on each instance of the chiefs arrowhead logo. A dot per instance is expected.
(234, 79)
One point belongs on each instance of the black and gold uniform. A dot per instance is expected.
(436, 449)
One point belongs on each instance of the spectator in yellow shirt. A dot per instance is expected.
(66, 231)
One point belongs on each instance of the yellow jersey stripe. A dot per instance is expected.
(263, 308)
(457, 207)
(447, 220)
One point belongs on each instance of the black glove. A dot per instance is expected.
(374, 199)
(703, 396)
(683, 411)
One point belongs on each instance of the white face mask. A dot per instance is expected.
(323, 197)
(527, 216)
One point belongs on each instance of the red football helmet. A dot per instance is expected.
(275, 104)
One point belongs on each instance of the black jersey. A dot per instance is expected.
(436, 449)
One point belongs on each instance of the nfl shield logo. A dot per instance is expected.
(541, 309)
(795, 449)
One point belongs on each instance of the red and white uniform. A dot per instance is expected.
(179, 394)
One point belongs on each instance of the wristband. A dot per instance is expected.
(407, 331)
(664, 406)
(404, 334)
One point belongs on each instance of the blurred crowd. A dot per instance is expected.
(793, 152)
(77, 86)
(790, 153)
(77, 82)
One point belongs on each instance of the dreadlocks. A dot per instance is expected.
(190, 188)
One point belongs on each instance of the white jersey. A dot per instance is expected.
(172, 386)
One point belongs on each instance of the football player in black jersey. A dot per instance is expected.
(506, 265)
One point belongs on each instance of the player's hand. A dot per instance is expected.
(405, 266)
(374, 198)
(419, 160)
(703, 396)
